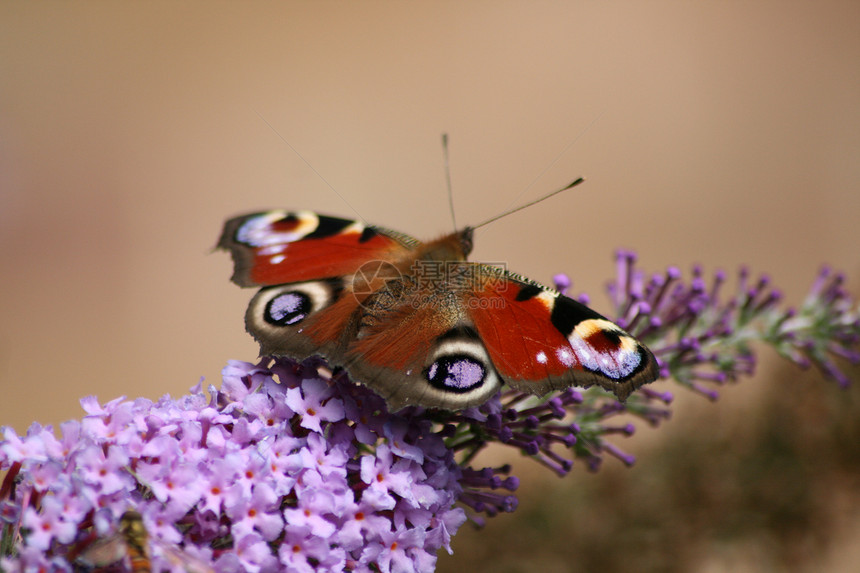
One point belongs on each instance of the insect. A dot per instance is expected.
(129, 550)
(417, 322)
(130, 544)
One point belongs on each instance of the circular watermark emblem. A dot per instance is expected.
(371, 277)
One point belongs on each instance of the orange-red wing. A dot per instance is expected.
(540, 340)
(278, 247)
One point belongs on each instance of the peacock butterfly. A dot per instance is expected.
(415, 321)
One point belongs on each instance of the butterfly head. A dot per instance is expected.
(454, 247)
(466, 243)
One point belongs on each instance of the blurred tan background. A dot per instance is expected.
(721, 133)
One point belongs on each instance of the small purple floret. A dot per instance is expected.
(562, 282)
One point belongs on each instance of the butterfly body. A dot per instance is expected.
(417, 322)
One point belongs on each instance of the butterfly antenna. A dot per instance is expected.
(448, 179)
(529, 204)
(282, 138)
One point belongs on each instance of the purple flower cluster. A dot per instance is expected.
(704, 338)
(289, 467)
(280, 469)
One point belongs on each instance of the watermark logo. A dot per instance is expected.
(371, 276)
(458, 276)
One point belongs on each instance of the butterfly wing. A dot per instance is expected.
(278, 247)
(310, 266)
(540, 340)
(302, 319)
